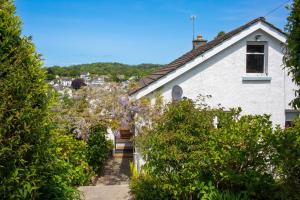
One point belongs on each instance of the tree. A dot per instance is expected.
(78, 83)
(23, 106)
(35, 161)
(292, 56)
(220, 34)
(109, 69)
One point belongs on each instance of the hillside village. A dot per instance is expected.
(63, 85)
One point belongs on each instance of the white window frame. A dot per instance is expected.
(265, 67)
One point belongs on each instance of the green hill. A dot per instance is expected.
(102, 68)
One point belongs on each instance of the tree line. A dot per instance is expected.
(111, 69)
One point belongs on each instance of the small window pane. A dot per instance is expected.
(290, 116)
(255, 48)
(255, 63)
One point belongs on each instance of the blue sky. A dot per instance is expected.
(132, 31)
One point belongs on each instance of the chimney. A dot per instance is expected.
(199, 42)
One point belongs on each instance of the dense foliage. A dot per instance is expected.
(78, 83)
(220, 34)
(110, 69)
(287, 160)
(190, 154)
(38, 159)
(292, 57)
(66, 168)
(98, 147)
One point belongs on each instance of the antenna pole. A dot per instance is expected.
(193, 18)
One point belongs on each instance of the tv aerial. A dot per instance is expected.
(193, 18)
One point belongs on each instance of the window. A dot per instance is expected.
(255, 58)
(290, 115)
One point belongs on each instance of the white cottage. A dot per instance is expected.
(244, 68)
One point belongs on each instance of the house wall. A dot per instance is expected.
(222, 77)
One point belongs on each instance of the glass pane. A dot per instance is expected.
(255, 48)
(255, 63)
(290, 116)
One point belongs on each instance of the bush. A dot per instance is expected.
(68, 168)
(287, 161)
(242, 157)
(227, 195)
(239, 154)
(36, 160)
(147, 187)
(98, 147)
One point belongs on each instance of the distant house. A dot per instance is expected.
(85, 76)
(65, 81)
(243, 68)
(97, 80)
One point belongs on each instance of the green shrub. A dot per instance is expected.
(227, 195)
(243, 157)
(36, 160)
(147, 188)
(68, 168)
(239, 156)
(98, 147)
(287, 161)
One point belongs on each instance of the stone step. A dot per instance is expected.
(127, 145)
(119, 140)
(126, 136)
(123, 153)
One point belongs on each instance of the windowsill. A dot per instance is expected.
(262, 77)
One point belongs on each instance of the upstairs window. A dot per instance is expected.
(255, 58)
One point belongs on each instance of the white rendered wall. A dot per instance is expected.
(221, 77)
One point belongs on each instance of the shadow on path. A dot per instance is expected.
(115, 172)
(112, 184)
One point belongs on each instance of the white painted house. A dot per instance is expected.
(244, 68)
(65, 81)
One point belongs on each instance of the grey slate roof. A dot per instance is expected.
(185, 58)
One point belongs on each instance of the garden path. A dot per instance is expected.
(113, 184)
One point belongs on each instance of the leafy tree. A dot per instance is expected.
(35, 161)
(23, 108)
(292, 56)
(220, 34)
(78, 83)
